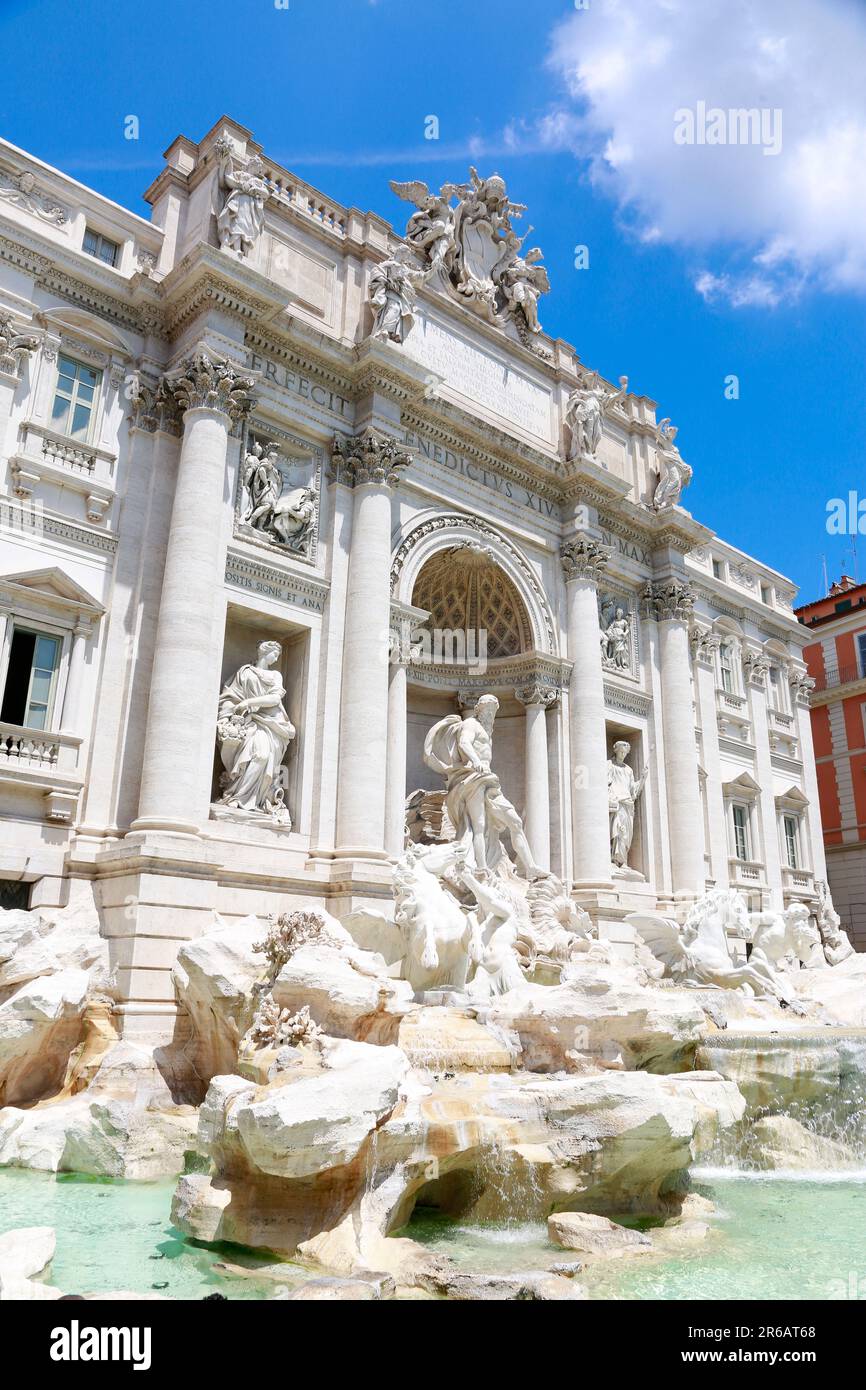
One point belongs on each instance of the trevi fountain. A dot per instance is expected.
(468, 1097)
(336, 967)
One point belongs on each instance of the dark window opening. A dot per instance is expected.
(14, 896)
(18, 677)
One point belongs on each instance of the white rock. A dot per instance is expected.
(39, 943)
(27, 1251)
(17, 1290)
(214, 978)
(600, 1012)
(40, 1024)
(348, 991)
(595, 1237)
(778, 1141)
(105, 1137)
(321, 1122)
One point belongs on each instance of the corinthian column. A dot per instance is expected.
(536, 822)
(371, 465)
(175, 785)
(583, 561)
(670, 605)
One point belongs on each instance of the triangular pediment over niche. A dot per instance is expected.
(53, 586)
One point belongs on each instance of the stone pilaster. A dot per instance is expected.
(371, 464)
(705, 645)
(755, 668)
(669, 603)
(395, 801)
(538, 699)
(175, 791)
(15, 348)
(583, 562)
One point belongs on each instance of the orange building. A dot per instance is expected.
(836, 661)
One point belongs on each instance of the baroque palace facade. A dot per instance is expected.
(280, 490)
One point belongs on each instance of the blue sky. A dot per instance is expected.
(704, 263)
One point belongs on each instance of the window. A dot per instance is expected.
(726, 664)
(766, 594)
(31, 678)
(717, 569)
(792, 841)
(741, 831)
(775, 690)
(100, 247)
(861, 651)
(74, 398)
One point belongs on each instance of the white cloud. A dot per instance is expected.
(771, 223)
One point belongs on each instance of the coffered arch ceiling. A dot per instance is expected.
(464, 590)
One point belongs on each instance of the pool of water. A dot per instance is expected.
(772, 1238)
(116, 1235)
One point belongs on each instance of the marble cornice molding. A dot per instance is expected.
(292, 583)
(516, 468)
(368, 457)
(54, 268)
(629, 701)
(332, 369)
(84, 536)
(211, 292)
(530, 669)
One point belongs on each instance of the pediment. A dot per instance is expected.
(794, 798)
(52, 586)
(95, 330)
(744, 783)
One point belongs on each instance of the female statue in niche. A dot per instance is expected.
(623, 790)
(254, 732)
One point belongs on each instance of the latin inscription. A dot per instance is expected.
(481, 377)
(476, 473)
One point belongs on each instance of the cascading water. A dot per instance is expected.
(816, 1081)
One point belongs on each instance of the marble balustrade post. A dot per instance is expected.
(583, 562)
(670, 604)
(211, 394)
(373, 464)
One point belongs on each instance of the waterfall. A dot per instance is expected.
(806, 1104)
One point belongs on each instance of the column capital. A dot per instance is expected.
(368, 458)
(15, 346)
(537, 694)
(704, 644)
(153, 406)
(756, 665)
(208, 382)
(802, 685)
(584, 558)
(671, 599)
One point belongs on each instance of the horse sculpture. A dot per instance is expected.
(698, 954)
(442, 939)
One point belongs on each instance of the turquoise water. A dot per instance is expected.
(116, 1235)
(771, 1238)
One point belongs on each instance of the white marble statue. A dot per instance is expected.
(498, 969)
(473, 248)
(254, 732)
(835, 941)
(616, 640)
(461, 749)
(585, 412)
(441, 938)
(623, 790)
(393, 285)
(780, 939)
(240, 222)
(699, 954)
(288, 519)
(674, 473)
(431, 226)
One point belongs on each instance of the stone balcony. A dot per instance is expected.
(798, 882)
(43, 762)
(732, 713)
(44, 456)
(745, 873)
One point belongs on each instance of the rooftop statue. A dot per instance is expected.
(585, 412)
(240, 222)
(465, 237)
(674, 473)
